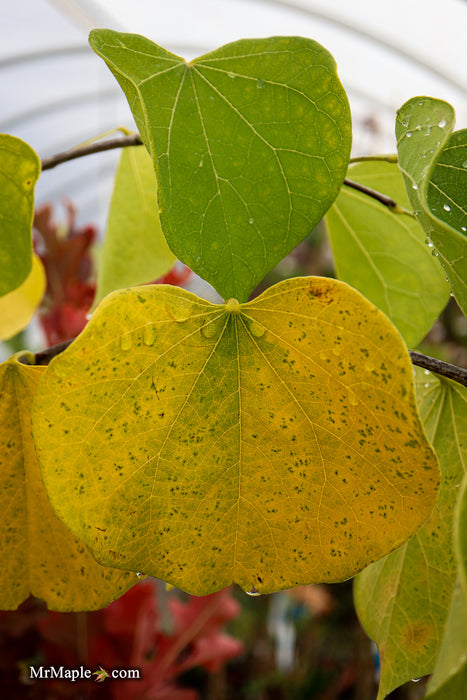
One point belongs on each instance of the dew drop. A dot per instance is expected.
(415, 680)
(253, 591)
(209, 329)
(464, 164)
(435, 253)
(260, 83)
(251, 220)
(429, 242)
(409, 134)
(405, 121)
(442, 123)
(463, 228)
(201, 163)
(149, 334)
(256, 329)
(180, 310)
(231, 75)
(427, 131)
(126, 341)
(446, 207)
(426, 371)
(415, 186)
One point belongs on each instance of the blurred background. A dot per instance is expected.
(55, 93)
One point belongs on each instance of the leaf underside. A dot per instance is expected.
(134, 249)
(403, 600)
(384, 255)
(270, 444)
(250, 144)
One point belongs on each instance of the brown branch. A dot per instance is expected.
(379, 196)
(98, 147)
(457, 374)
(445, 369)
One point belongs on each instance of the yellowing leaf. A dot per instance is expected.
(17, 307)
(18, 174)
(403, 600)
(39, 555)
(271, 443)
(134, 249)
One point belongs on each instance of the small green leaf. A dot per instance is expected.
(134, 249)
(250, 143)
(40, 556)
(270, 443)
(19, 172)
(384, 255)
(403, 600)
(434, 164)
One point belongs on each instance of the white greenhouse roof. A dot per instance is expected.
(55, 93)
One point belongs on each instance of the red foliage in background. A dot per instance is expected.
(65, 251)
(134, 632)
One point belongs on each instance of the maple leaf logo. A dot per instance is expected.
(101, 674)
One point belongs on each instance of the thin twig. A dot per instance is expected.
(98, 147)
(457, 374)
(379, 196)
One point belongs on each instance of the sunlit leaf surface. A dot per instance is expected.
(20, 168)
(384, 255)
(271, 443)
(403, 600)
(250, 144)
(39, 555)
(134, 249)
(434, 163)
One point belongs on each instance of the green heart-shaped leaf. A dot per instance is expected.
(270, 443)
(250, 143)
(434, 164)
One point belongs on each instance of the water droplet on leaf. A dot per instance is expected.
(231, 75)
(256, 329)
(149, 334)
(442, 123)
(209, 329)
(126, 341)
(251, 220)
(409, 134)
(260, 83)
(446, 207)
(253, 591)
